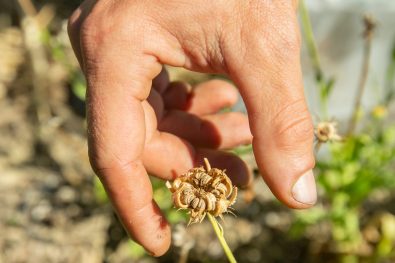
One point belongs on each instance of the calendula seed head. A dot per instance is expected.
(326, 131)
(203, 190)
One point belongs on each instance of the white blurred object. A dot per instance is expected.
(338, 28)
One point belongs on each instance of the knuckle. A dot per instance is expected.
(99, 18)
(99, 159)
(92, 30)
(293, 125)
(103, 157)
(96, 31)
(73, 25)
(103, 161)
(99, 35)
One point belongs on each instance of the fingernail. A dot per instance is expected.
(304, 190)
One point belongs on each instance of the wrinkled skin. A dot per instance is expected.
(139, 122)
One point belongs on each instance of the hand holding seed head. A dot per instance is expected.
(139, 122)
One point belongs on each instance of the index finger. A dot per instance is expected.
(116, 144)
(116, 131)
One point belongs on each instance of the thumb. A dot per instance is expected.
(270, 82)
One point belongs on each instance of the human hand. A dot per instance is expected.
(121, 46)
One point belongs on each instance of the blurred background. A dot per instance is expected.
(53, 209)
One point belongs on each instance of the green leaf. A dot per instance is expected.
(99, 191)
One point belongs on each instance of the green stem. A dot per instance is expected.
(221, 239)
(311, 46)
(315, 58)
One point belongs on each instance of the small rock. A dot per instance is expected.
(41, 212)
(66, 194)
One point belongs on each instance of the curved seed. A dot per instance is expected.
(177, 201)
(228, 185)
(195, 202)
(222, 189)
(201, 205)
(216, 193)
(210, 201)
(233, 196)
(215, 182)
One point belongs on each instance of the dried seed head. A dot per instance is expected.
(203, 190)
(326, 131)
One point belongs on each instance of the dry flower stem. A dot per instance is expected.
(219, 232)
(370, 25)
(218, 229)
(32, 32)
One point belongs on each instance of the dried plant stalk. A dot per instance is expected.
(220, 234)
(326, 131)
(370, 26)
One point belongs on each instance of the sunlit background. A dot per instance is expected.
(53, 209)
